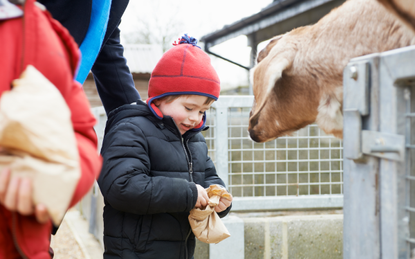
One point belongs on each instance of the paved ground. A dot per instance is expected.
(72, 241)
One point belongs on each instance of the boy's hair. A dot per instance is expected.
(171, 98)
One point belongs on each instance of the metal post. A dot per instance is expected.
(395, 69)
(361, 212)
(221, 140)
(252, 42)
(377, 166)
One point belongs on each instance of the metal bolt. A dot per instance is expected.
(353, 72)
(406, 94)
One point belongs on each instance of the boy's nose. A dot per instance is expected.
(194, 117)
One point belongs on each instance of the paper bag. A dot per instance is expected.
(205, 223)
(37, 141)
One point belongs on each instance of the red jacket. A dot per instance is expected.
(39, 40)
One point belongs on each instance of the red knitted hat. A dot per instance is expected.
(184, 69)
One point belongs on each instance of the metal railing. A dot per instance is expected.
(303, 171)
(379, 151)
(410, 170)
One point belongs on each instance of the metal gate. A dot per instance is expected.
(379, 155)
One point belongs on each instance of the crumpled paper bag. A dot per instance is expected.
(37, 141)
(206, 223)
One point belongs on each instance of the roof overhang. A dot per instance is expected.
(277, 18)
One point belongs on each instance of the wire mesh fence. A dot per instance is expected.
(307, 163)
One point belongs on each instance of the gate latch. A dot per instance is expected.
(383, 145)
(360, 142)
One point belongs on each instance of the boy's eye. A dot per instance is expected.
(202, 112)
(187, 108)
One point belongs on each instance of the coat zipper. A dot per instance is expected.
(190, 164)
(189, 160)
(185, 242)
(186, 145)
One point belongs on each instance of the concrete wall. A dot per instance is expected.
(307, 236)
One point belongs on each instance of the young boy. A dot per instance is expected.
(156, 164)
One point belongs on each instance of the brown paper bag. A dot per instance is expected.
(37, 141)
(205, 223)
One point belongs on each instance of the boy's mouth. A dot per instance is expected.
(187, 126)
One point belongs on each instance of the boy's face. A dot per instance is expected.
(187, 110)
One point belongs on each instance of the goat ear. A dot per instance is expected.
(274, 72)
(278, 61)
(264, 52)
(266, 73)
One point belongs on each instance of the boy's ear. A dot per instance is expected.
(156, 102)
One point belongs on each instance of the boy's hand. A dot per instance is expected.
(202, 197)
(16, 195)
(223, 204)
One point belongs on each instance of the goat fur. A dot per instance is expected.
(298, 79)
(404, 9)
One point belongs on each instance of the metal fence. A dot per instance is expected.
(294, 172)
(410, 169)
(304, 170)
(379, 151)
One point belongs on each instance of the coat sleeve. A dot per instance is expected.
(126, 182)
(83, 123)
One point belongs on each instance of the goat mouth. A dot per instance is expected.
(253, 136)
(258, 135)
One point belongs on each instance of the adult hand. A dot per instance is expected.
(202, 197)
(223, 204)
(16, 195)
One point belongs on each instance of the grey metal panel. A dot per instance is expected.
(361, 213)
(353, 149)
(361, 238)
(395, 68)
(410, 170)
(357, 94)
(399, 64)
(222, 143)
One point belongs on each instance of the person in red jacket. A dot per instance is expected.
(33, 37)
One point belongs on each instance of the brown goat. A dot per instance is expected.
(404, 9)
(299, 76)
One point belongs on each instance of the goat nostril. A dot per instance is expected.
(253, 121)
(250, 113)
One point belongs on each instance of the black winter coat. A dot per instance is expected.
(148, 183)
